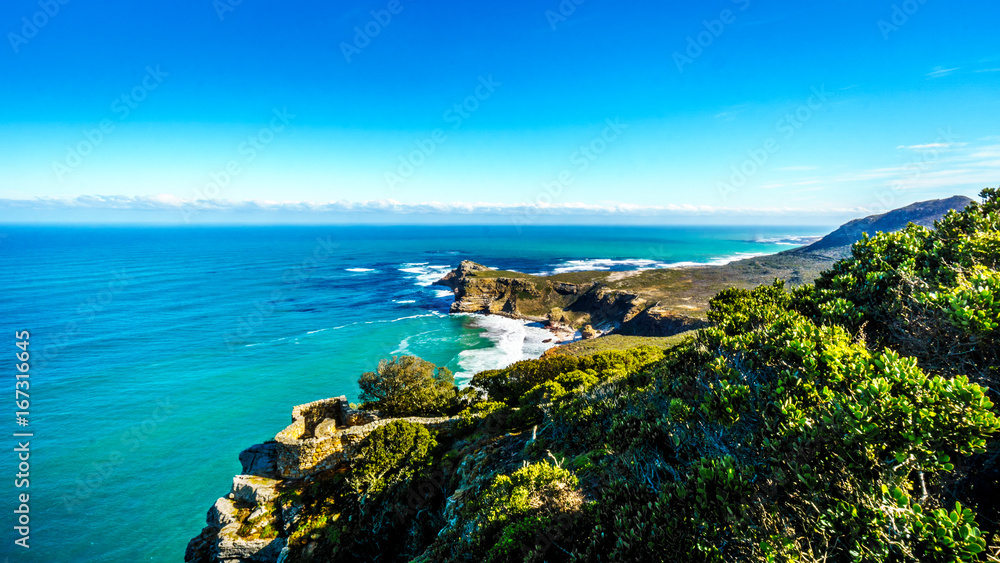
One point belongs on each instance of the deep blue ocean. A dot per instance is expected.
(158, 354)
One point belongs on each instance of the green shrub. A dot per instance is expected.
(409, 386)
(391, 454)
(517, 510)
(974, 303)
(512, 383)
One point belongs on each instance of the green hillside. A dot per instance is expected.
(852, 419)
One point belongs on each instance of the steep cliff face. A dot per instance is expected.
(557, 302)
(479, 289)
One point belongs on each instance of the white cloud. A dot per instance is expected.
(938, 72)
(924, 147)
(170, 203)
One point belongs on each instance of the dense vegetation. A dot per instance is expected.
(848, 420)
(408, 386)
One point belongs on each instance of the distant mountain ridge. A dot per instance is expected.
(838, 243)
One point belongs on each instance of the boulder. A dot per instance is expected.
(253, 490)
(222, 514)
(232, 548)
(261, 460)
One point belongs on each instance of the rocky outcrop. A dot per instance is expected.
(251, 524)
(652, 303)
(499, 294)
(657, 321)
(479, 289)
(455, 278)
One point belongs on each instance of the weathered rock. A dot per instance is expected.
(324, 435)
(250, 489)
(589, 332)
(222, 514)
(230, 548)
(655, 321)
(456, 277)
(290, 516)
(260, 460)
(320, 439)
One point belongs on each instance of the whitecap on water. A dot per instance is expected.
(512, 341)
(425, 274)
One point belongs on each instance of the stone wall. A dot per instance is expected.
(323, 435)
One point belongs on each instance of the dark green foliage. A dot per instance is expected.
(931, 294)
(510, 384)
(391, 454)
(835, 422)
(387, 507)
(409, 386)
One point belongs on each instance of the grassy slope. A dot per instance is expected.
(618, 342)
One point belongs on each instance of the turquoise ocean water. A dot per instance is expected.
(158, 354)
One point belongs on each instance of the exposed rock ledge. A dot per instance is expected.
(251, 524)
(559, 303)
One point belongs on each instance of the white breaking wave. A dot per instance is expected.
(721, 261)
(512, 341)
(641, 264)
(359, 270)
(425, 273)
(791, 240)
(404, 344)
(602, 264)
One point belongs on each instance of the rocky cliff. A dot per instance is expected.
(667, 301)
(563, 301)
(252, 524)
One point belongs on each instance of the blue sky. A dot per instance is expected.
(310, 111)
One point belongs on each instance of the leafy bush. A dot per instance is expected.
(409, 386)
(833, 422)
(973, 304)
(516, 510)
(391, 454)
(512, 383)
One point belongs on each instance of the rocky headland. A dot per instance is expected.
(265, 509)
(661, 302)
